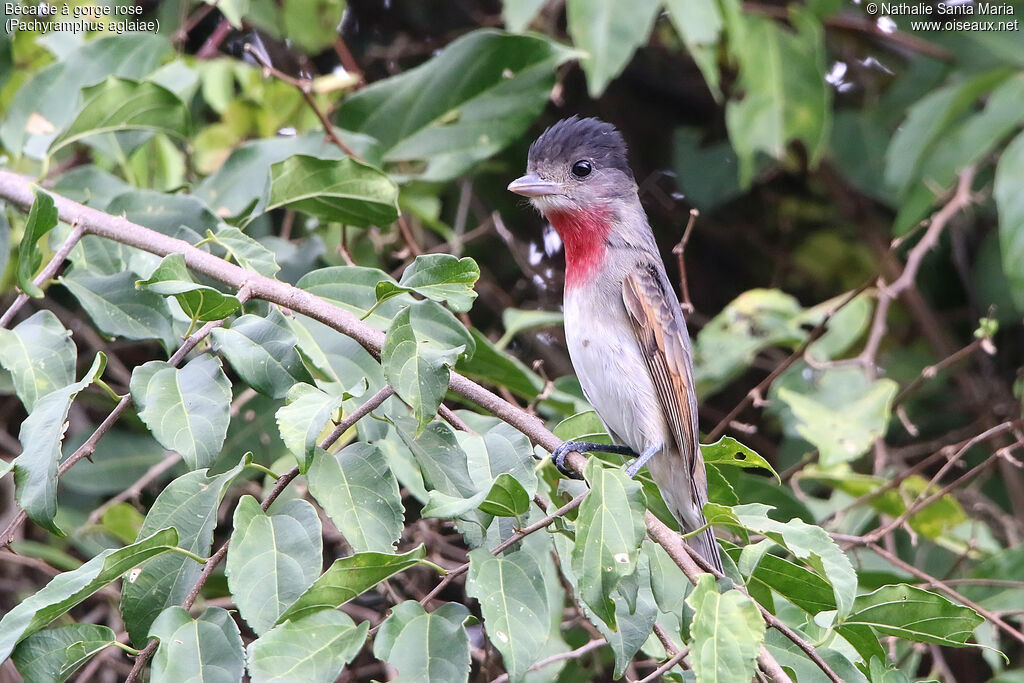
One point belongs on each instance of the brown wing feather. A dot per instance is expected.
(661, 333)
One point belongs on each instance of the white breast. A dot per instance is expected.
(611, 370)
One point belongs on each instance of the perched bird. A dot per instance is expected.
(625, 330)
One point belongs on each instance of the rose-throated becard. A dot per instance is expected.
(625, 330)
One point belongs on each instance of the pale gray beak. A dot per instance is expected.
(531, 185)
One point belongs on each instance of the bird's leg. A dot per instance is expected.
(642, 459)
(567, 447)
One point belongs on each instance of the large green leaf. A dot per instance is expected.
(809, 543)
(360, 494)
(785, 95)
(699, 24)
(441, 460)
(42, 218)
(54, 654)
(262, 350)
(189, 505)
(425, 647)
(841, 411)
(178, 215)
(41, 434)
(199, 302)
(609, 32)
(119, 309)
(207, 649)
(438, 277)
(343, 190)
(117, 105)
(348, 578)
(609, 530)
(246, 252)
(519, 13)
(420, 349)
(915, 614)
(1010, 202)
(727, 633)
(303, 419)
(354, 288)
(187, 408)
(273, 558)
(513, 601)
(242, 181)
(40, 356)
(48, 102)
(314, 648)
(70, 588)
(476, 96)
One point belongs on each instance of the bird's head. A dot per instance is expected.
(576, 165)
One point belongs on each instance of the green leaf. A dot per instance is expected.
(1010, 203)
(809, 543)
(354, 288)
(699, 24)
(915, 614)
(519, 13)
(438, 277)
(117, 105)
(729, 451)
(262, 350)
(491, 366)
(314, 648)
(40, 356)
(609, 530)
(70, 588)
(802, 587)
(274, 556)
(439, 456)
(303, 419)
(242, 181)
(348, 578)
(119, 309)
(420, 349)
(513, 601)
(189, 505)
(51, 99)
(313, 25)
(186, 409)
(609, 32)
(200, 302)
(360, 494)
(727, 633)
(177, 215)
(41, 434)
(246, 252)
(42, 218)
(478, 94)
(785, 95)
(842, 414)
(56, 653)
(121, 457)
(517, 320)
(507, 497)
(207, 649)
(927, 120)
(344, 190)
(425, 647)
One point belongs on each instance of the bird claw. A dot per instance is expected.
(559, 454)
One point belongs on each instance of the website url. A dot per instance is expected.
(965, 25)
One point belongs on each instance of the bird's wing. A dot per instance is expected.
(661, 332)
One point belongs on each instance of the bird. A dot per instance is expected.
(624, 327)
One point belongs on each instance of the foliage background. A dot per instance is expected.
(851, 174)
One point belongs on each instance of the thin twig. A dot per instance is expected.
(664, 668)
(77, 231)
(680, 251)
(560, 657)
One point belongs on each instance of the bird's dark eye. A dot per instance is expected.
(582, 168)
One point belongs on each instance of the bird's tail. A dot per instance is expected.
(705, 545)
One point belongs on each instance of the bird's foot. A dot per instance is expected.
(642, 459)
(559, 454)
